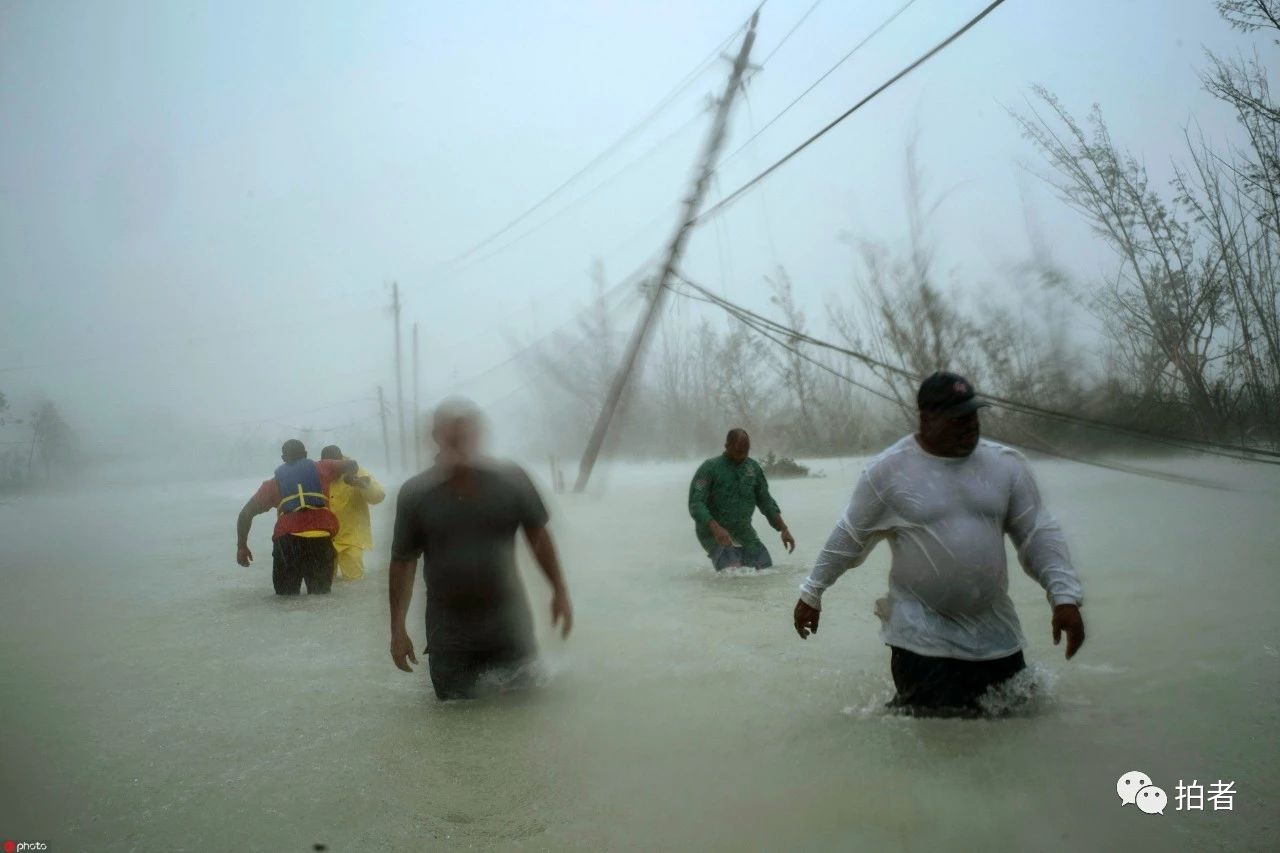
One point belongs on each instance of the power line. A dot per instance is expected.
(456, 264)
(619, 288)
(633, 237)
(1039, 445)
(742, 317)
(722, 237)
(1217, 448)
(537, 342)
(764, 201)
(626, 136)
(736, 194)
(662, 143)
(570, 350)
(777, 47)
(675, 249)
(817, 82)
(1200, 445)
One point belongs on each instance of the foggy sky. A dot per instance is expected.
(200, 205)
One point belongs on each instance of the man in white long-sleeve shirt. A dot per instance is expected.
(944, 498)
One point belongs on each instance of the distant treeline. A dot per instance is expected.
(35, 447)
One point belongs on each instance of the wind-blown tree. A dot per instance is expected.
(12, 460)
(1236, 197)
(1251, 15)
(572, 371)
(54, 441)
(797, 374)
(1193, 313)
(744, 388)
(1164, 304)
(900, 315)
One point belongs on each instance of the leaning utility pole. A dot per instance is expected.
(417, 415)
(386, 444)
(395, 313)
(675, 248)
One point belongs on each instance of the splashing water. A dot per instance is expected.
(1029, 693)
(743, 572)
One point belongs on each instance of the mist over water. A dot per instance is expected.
(158, 696)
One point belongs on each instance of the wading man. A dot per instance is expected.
(302, 546)
(945, 499)
(350, 498)
(461, 516)
(725, 493)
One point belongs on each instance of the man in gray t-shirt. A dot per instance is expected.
(461, 517)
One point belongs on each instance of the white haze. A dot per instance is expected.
(200, 208)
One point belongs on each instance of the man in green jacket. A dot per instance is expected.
(725, 492)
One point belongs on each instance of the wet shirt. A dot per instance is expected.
(475, 599)
(351, 506)
(304, 522)
(730, 494)
(946, 519)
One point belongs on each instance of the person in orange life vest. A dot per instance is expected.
(350, 499)
(302, 548)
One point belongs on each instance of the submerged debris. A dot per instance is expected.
(782, 467)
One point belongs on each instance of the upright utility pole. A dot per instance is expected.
(382, 413)
(417, 415)
(395, 312)
(675, 248)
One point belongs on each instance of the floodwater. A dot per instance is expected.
(156, 696)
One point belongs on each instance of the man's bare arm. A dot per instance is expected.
(399, 594)
(544, 551)
(244, 522)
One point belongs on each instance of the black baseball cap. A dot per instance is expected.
(948, 394)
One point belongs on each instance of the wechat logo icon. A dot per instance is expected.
(1135, 788)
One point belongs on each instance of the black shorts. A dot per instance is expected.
(456, 674)
(946, 687)
(295, 559)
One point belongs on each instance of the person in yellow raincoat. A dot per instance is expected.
(349, 499)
